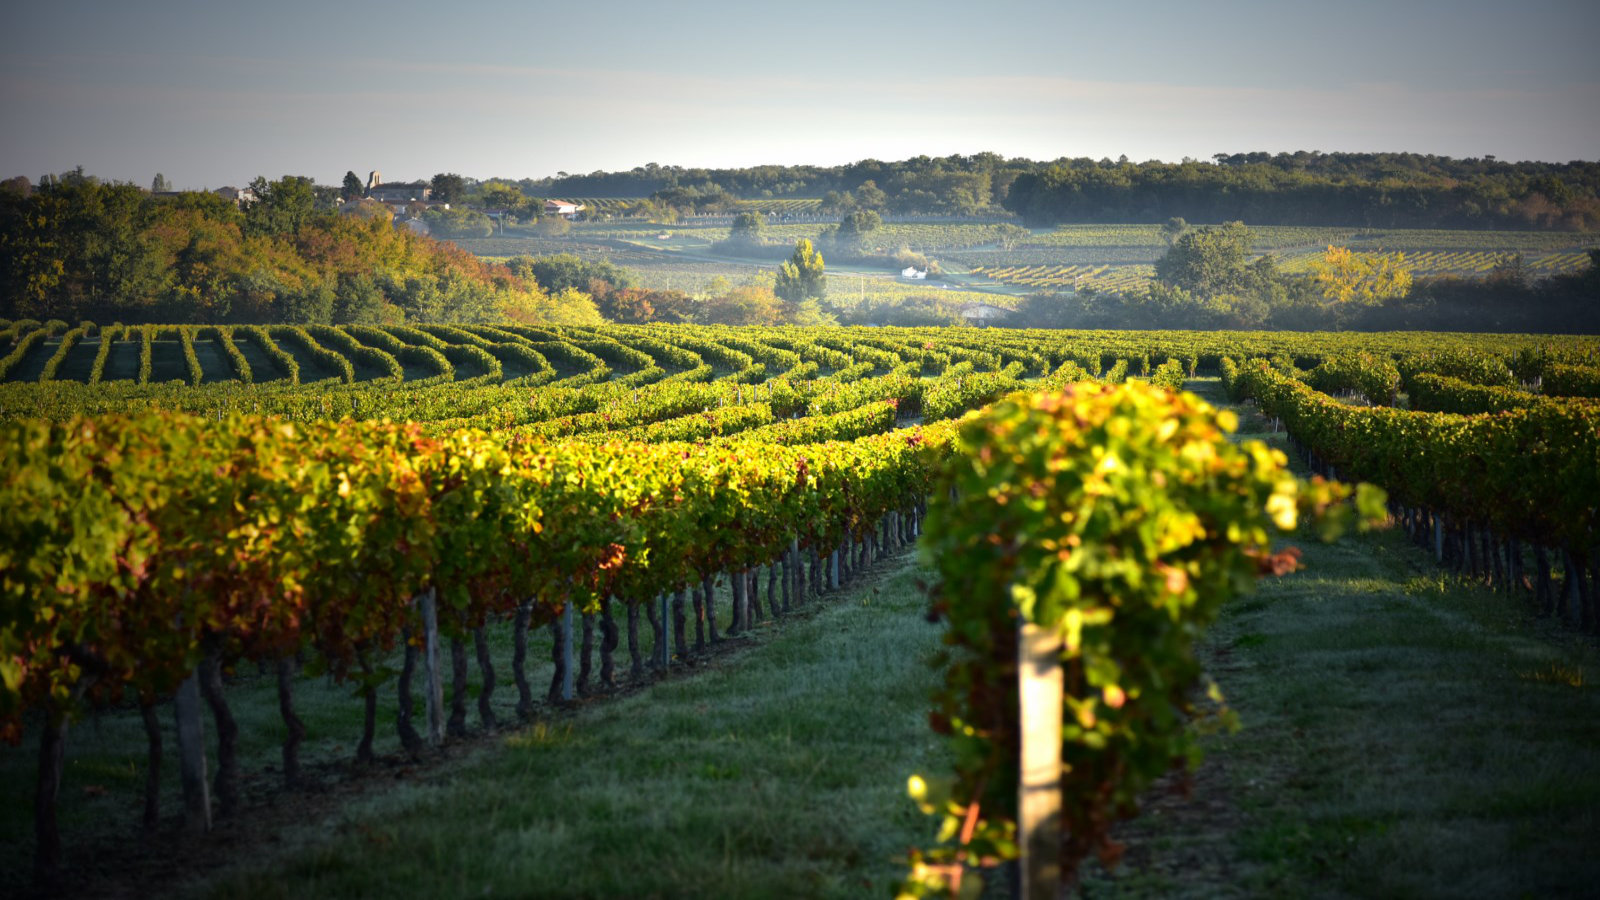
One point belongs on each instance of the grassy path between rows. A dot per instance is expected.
(1405, 734)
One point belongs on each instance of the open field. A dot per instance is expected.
(1115, 258)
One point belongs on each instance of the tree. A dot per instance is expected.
(1174, 229)
(357, 299)
(281, 207)
(903, 312)
(368, 209)
(448, 187)
(353, 186)
(566, 270)
(802, 275)
(633, 306)
(1008, 235)
(77, 249)
(570, 306)
(1509, 271)
(748, 229)
(502, 195)
(748, 305)
(835, 202)
(327, 196)
(553, 226)
(1363, 279)
(457, 223)
(870, 196)
(808, 313)
(310, 304)
(854, 228)
(907, 258)
(1207, 261)
(160, 185)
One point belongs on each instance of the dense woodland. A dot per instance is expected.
(1387, 190)
(1364, 190)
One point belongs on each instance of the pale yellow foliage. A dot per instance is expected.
(1366, 279)
(569, 306)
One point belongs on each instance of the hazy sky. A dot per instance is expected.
(210, 95)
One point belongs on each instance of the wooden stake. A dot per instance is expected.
(433, 678)
(192, 756)
(567, 691)
(1039, 683)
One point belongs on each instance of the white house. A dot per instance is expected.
(913, 273)
(564, 208)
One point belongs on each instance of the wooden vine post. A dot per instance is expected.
(1083, 539)
(1039, 691)
(567, 690)
(192, 756)
(433, 682)
(664, 651)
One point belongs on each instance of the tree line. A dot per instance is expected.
(1306, 187)
(1357, 190)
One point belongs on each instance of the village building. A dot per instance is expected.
(563, 208)
(240, 196)
(400, 192)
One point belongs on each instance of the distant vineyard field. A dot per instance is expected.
(602, 204)
(801, 205)
(1116, 258)
(1457, 262)
(1046, 277)
(1277, 237)
(1492, 241)
(1099, 236)
(1059, 256)
(791, 205)
(924, 238)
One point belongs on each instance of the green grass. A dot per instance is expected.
(122, 364)
(1406, 734)
(779, 773)
(1396, 744)
(167, 362)
(777, 768)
